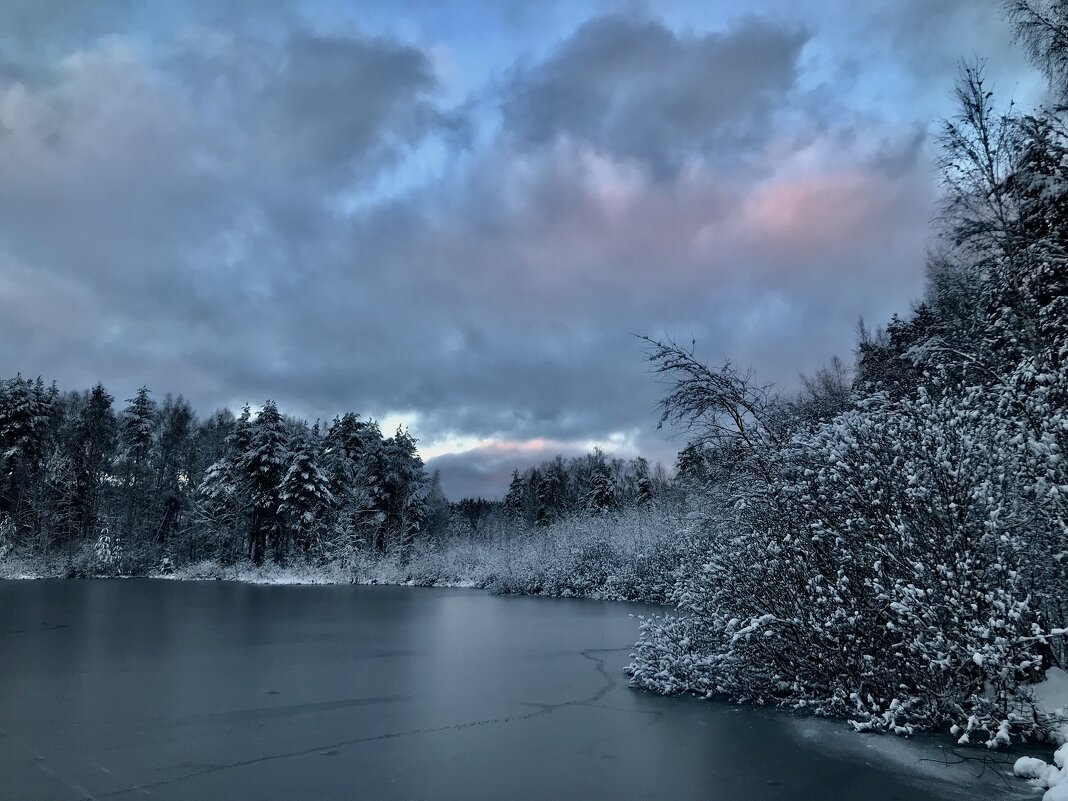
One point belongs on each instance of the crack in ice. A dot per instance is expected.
(541, 710)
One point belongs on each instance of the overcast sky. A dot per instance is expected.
(456, 219)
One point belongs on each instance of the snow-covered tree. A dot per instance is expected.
(405, 486)
(27, 410)
(263, 465)
(221, 508)
(174, 464)
(92, 450)
(137, 436)
(438, 512)
(513, 499)
(305, 492)
(601, 494)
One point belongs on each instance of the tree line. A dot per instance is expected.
(90, 489)
(595, 483)
(127, 488)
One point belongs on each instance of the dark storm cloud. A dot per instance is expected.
(238, 211)
(197, 193)
(162, 217)
(322, 108)
(635, 89)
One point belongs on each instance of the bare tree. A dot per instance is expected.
(1042, 28)
(723, 409)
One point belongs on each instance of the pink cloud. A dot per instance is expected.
(816, 211)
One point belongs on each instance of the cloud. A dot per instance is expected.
(30, 24)
(468, 473)
(315, 106)
(235, 203)
(182, 198)
(632, 88)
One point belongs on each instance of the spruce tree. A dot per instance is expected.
(264, 464)
(513, 499)
(137, 433)
(305, 491)
(93, 449)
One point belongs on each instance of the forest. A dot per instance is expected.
(91, 490)
(885, 544)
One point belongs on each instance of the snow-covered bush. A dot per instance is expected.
(895, 552)
(886, 578)
(631, 554)
(915, 541)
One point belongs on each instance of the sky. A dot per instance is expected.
(457, 216)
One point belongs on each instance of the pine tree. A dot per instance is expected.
(601, 497)
(93, 450)
(222, 497)
(352, 460)
(513, 499)
(437, 508)
(643, 484)
(137, 433)
(552, 493)
(174, 460)
(405, 488)
(263, 465)
(25, 409)
(532, 505)
(220, 506)
(692, 468)
(305, 491)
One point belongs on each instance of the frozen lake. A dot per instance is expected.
(217, 690)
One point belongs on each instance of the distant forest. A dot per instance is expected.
(152, 481)
(120, 491)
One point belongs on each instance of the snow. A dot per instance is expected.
(923, 760)
(1051, 696)
(383, 572)
(1053, 777)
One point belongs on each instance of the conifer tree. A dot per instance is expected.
(513, 499)
(137, 433)
(263, 464)
(305, 491)
(92, 452)
(175, 459)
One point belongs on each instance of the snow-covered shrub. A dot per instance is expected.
(629, 554)
(882, 576)
(107, 551)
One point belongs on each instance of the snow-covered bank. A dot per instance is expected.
(1054, 778)
(624, 558)
(926, 760)
(1051, 696)
(629, 555)
(15, 566)
(302, 574)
